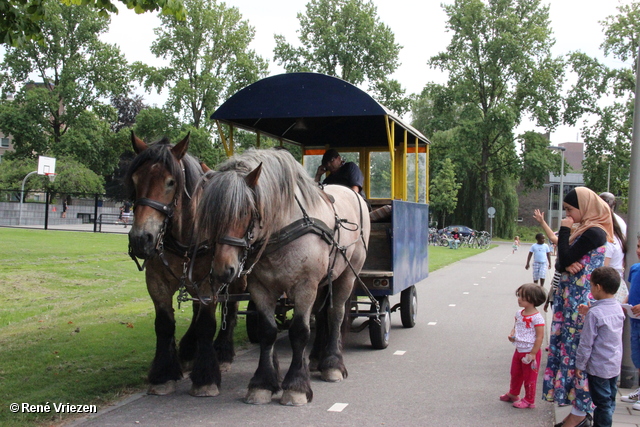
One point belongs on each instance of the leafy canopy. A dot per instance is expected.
(500, 69)
(346, 39)
(209, 59)
(602, 100)
(23, 20)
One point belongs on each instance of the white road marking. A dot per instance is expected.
(431, 323)
(399, 353)
(338, 407)
(452, 305)
(465, 293)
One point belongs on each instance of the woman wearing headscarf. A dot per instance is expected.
(581, 249)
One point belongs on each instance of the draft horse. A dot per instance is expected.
(262, 210)
(165, 183)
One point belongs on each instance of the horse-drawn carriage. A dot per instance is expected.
(316, 112)
(260, 217)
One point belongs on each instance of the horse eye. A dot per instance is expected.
(171, 183)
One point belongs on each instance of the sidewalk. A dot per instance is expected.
(624, 416)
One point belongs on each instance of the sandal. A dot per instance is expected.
(508, 398)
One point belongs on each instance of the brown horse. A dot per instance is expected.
(165, 183)
(250, 208)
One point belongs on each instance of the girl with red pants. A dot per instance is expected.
(527, 335)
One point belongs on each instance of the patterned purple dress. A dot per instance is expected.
(560, 383)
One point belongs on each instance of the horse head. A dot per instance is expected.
(156, 179)
(228, 214)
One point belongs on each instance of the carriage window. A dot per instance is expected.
(380, 175)
(411, 177)
(311, 162)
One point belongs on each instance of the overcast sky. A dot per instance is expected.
(418, 25)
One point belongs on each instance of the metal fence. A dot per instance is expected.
(84, 212)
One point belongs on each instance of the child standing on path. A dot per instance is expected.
(516, 244)
(527, 335)
(541, 259)
(600, 350)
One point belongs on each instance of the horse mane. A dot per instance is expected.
(186, 173)
(227, 198)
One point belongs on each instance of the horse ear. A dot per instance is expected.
(180, 148)
(138, 145)
(252, 178)
(204, 167)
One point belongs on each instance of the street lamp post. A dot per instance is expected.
(561, 194)
(22, 196)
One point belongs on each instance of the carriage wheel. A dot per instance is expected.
(379, 333)
(409, 306)
(253, 329)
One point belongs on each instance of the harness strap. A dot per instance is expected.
(297, 229)
(233, 241)
(161, 207)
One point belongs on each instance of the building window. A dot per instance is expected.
(4, 142)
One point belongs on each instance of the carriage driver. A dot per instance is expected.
(341, 173)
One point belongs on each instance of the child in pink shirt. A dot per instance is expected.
(527, 335)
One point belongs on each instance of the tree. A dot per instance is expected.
(76, 70)
(537, 160)
(500, 68)
(23, 19)
(72, 177)
(602, 100)
(443, 191)
(345, 39)
(209, 59)
(128, 109)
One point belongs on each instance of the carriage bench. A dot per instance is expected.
(87, 218)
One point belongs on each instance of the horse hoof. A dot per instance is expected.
(293, 398)
(258, 397)
(162, 389)
(313, 365)
(332, 375)
(210, 390)
(225, 366)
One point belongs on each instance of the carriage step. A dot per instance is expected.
(376, 273)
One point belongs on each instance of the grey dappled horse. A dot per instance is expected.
(250, 208)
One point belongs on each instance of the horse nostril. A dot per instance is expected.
(231, 274)
(148, 237)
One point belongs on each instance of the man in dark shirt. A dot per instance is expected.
(341, 173)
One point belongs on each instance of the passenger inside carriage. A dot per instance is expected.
(341, 173)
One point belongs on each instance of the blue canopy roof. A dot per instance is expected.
(314, 110)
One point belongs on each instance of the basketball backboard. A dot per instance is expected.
(46, 165)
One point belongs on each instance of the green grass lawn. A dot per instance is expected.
(76, 324)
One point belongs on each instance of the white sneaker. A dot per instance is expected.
(636, 406)
(633, 397)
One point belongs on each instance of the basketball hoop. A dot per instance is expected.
(51, 176)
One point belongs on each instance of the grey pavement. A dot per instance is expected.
(448, 370)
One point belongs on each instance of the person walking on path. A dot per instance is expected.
(541, 259)
(553, 239)
(516, 244)
(599, 353)
(586, 244)
(527, 335)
